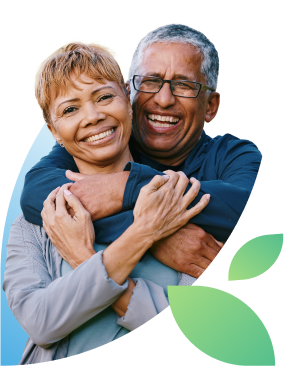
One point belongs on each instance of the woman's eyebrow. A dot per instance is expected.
(103, 87)
(94, 92)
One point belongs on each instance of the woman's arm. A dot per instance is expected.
(50, 310)
(122, 256)
(47, 309)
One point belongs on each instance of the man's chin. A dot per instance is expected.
(157, 148)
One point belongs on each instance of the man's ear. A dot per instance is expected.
(127, 85)
(54, 133)
(212, 106)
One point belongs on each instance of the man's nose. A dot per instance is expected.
(92, 115)
(165, 98)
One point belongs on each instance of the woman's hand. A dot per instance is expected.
(72, 236)
(161, 207)
(160, 210)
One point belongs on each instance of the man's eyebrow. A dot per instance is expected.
(156, 74)
(93, 93)
(182, 77)
(176, 76)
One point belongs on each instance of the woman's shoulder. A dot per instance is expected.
(27, 232)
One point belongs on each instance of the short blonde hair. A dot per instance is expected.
(56, 73)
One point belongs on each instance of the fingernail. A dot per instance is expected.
(208, 197)
(67, 192)
(166, 177)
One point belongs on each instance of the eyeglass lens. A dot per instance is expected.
(179, 88)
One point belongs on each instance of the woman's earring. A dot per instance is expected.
(59, 143)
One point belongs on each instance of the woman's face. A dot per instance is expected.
(93, 122)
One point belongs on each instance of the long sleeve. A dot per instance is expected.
(147, 301)
(226, 167)
(50, 310)
(228, 174)
(46, 175)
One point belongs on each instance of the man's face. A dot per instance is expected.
(168, 127)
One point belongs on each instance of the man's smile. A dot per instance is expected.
(157, 120)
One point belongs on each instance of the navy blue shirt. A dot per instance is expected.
(225, 165)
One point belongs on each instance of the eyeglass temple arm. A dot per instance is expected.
(204, 87)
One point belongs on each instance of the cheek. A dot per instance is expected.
(127, 125)
(139, 104)
(66, 131)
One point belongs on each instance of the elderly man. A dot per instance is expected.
(172, 83)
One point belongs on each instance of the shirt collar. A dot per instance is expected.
(191, 163)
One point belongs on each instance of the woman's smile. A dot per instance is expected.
(99, 138)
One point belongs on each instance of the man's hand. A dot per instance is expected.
(121, 304)
(100, 194)
(190, 250)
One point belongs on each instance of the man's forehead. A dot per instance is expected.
(181, 61)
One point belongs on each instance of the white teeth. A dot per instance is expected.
(100, 136)
(157, 124)
(157, 117)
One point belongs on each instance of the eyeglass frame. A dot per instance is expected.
(201, 86)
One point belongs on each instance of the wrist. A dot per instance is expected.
(120, 306)
(111, 196)
(142, 237)
(124, 253)
(82, 257)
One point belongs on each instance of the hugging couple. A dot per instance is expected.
(154, 197)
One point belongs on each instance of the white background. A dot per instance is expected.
(240, 33)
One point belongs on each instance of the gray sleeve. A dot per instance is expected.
(186, 280)
(50, 310)
(147, 301)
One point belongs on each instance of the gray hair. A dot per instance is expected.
(178, 33)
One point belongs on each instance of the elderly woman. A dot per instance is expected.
(70, 306)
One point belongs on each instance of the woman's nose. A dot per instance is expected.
(92, 115)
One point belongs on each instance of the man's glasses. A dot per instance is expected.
(179, 88)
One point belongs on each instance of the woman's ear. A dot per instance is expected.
(54, 133)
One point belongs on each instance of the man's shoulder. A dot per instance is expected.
(230, 144)
(58, 157)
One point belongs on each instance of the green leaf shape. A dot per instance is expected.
(255, 257)
(221, 325)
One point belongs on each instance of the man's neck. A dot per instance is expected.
(162, 157)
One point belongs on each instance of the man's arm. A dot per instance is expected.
(230, 189)
(45, 176)
(238, 168)
(50, 173)
(190, 250)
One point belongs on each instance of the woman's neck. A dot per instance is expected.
(115, 166)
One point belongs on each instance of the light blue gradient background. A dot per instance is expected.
(13, 337)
